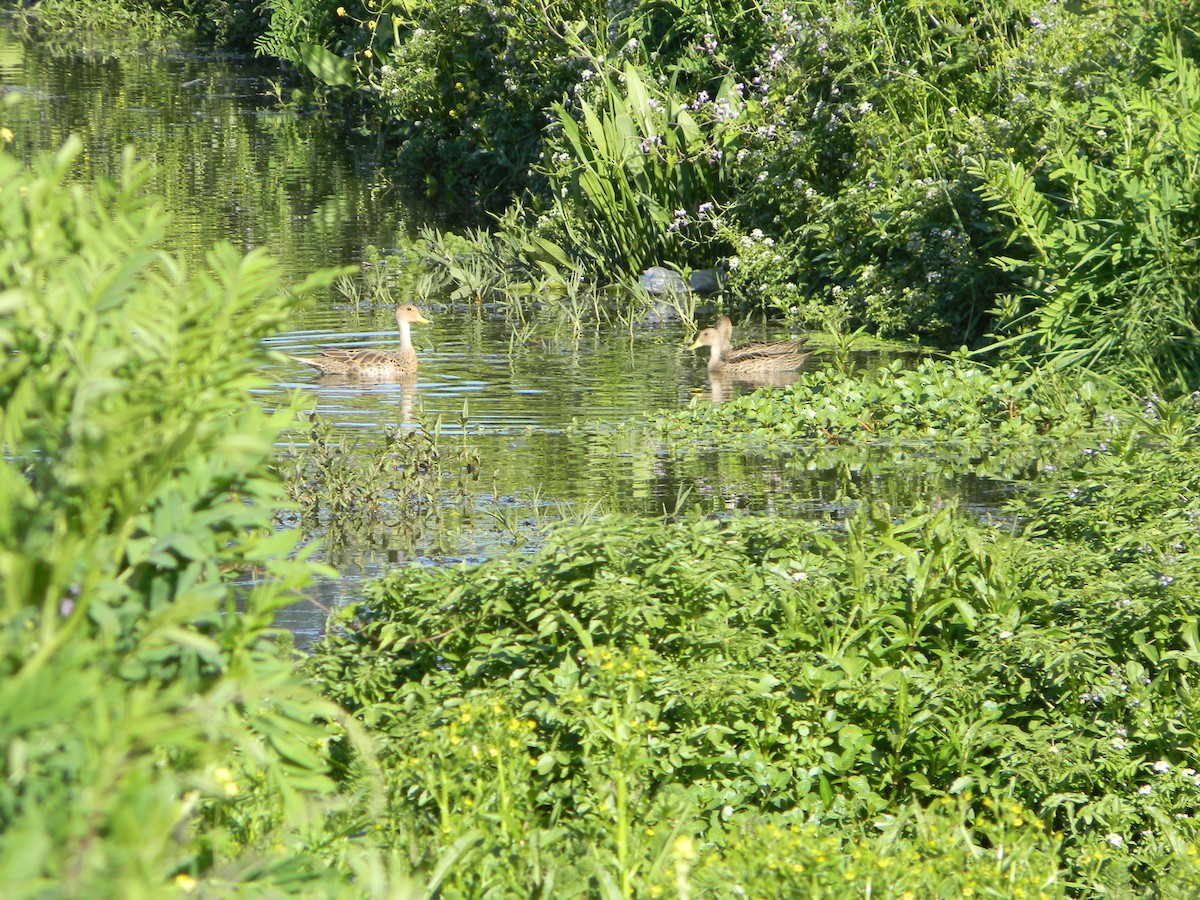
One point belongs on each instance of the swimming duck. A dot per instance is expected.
(367, 363)
(748, 359)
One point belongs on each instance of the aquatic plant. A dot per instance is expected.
(637, 697)
(392, 491)
(957, 400)
(635, 175)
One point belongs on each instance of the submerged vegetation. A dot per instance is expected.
(891, 702)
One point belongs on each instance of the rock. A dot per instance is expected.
(661, 281)
(705, 281)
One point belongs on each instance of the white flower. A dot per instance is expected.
(799, 576)
(1004, 635)
(1115, 839)
(1145, 790)
(1162, 766)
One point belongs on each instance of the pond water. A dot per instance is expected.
(540, 413)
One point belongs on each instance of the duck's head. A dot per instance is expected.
(406, 312)
(709, 337)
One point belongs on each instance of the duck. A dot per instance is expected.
(367, 363)
(749, 359)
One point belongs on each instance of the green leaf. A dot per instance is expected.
(327, 66)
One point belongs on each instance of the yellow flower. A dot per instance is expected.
(341, 11)
(6, 135)
(367, 53)
(683, 847)
(371, 25)
(185, 883)
(225, 779)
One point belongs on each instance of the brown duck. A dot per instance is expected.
(369, 364)
(752, 360)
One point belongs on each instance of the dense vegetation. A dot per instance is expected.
(152, 733)
(899, 703)
(1021, 167)
(932, 170)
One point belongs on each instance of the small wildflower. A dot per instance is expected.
(185, 883)
(1145, 790)
(341, 11)
(1115, 840)
(1162, 766)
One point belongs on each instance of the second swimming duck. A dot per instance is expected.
(748, 359)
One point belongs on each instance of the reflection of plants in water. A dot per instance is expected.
(393, 488)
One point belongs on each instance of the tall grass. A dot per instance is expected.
(635, 174)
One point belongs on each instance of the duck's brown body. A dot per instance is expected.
(753, 360)
(369, 364)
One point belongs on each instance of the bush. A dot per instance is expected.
(1106, 235)
(153, 735)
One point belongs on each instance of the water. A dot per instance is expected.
(231, 166)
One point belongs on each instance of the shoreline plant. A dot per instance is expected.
(1018, 172)
(155, 737)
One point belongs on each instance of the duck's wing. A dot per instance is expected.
(776, 351)
(367, 357)
(337, 360)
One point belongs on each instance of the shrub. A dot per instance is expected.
(1110, 258)
(572, 715)
(152, 734)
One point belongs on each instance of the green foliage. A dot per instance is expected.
(352, 493)
(670, 696)
(865, 163)
(997, 849)
(1111, 231)
(955, 402)
(639, 173)
(152, 734)
(120, 25)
